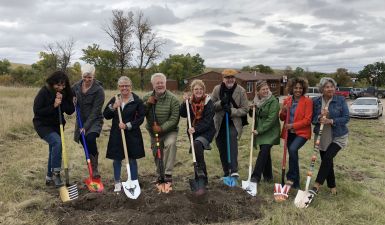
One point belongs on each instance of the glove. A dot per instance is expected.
(156, 128)
(225, 99)
(227, 108)
(151, 100)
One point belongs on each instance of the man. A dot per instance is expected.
(164, 123)
(229, 98)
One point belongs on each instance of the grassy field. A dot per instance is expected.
(25, 199)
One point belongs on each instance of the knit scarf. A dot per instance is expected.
(197, 105)
(224, 90)
(258, 101)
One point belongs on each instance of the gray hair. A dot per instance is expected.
(88, 69)
(158, 75)
(324, 81)
(124, 79)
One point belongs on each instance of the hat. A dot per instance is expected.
(229, 72)
(259, 84)
(88, 69)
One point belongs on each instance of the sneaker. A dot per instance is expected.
(314, 191)
(236, 175)
(49, 181)
(118, 187)
(57, 180)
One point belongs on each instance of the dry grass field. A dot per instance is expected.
(24, 198)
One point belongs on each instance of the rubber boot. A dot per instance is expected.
(94, 165)
(56, 179)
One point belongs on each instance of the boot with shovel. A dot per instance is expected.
(229, 180)
(304, 198)
(249, 186)
(67, 192)
(93, 184)
(131, 187)
(197, 185)
(281, 190)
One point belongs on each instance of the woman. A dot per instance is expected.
(89, 95)
(203, 130)
(332, 111)
(132, 109)
(56, 93)
(298, 128)
(267, 130)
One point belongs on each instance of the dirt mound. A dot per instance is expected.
(220, 204)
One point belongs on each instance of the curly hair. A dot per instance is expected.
(297, 80)
(199, 83)
(60, 77)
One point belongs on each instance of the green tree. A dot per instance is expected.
(4, 66)
(373, 73)
(259, 68)
(341, 76)
(298, 72)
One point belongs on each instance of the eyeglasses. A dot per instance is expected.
(124, 86)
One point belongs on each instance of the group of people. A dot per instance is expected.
(220, 115)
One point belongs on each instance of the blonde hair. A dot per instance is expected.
(259, 84)
(199, 83)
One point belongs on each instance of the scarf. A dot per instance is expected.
(197, 105)
(260, 101)
(224, 90)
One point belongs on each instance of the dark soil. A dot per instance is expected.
(220, 204)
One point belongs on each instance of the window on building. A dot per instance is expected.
(273, 85)
(249, 87)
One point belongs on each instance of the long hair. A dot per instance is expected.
(59, 77)
(297, 80)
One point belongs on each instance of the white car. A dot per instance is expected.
(366, 107)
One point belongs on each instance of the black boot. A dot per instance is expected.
(94, 165)
(56, 179)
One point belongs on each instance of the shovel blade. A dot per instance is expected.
(230, 181)
(68, 193)
(250, 187)
(131, 188)
(303, 199)
(94, 185)
(197, 186)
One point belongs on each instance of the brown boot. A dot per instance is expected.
(94, 165)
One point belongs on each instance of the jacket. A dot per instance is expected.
(132, 112)
(338, 112)
(302, 116)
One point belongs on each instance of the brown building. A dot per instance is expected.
(246, 79)
(172, 85)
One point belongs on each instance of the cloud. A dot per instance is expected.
(219, 33)
(160, 16)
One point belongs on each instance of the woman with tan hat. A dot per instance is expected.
(89, 95)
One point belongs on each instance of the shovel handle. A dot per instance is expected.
(251, 143)
(189, 126)
(124, 141)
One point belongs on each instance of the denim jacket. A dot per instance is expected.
(338, 111)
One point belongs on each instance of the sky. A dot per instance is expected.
(317, 35)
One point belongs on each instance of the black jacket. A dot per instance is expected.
(46, 116)
(133, 112)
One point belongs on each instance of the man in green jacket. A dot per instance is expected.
(164, 123)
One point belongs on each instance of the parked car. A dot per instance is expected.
(366, 107)
(313, 92)
(356, 92)
(343, 91)
(373, 92)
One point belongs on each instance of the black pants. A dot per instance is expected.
(326, 170)
(200, 158)
(91, 143)
(263, 164)
(221, 142)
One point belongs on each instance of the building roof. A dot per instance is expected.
(254, 76)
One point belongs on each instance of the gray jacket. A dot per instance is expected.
(240, 99)
(91, 104)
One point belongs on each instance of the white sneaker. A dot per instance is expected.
(118, 187)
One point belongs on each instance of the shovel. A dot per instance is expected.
(197, 185)
(304, 198)
(248, 186)
(93, 184)
(67, 192)
(229, 180)
(131, 187)
(162, 185)
(281, 190)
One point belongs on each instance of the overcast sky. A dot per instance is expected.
(320, 35)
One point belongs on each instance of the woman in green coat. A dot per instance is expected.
(267, 130)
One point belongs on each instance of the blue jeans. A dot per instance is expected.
(54, 155)
(117, 164)
(294, 143)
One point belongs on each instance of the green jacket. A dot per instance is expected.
(267, 123)
(166, 111)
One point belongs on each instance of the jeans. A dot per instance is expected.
(263, 165)
(294, 143)
(54, 154)
(117, 164)
(326, 171)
